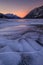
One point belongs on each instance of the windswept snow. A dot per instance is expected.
(10, 58)
(21, 42)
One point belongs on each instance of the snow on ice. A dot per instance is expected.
(21, 42)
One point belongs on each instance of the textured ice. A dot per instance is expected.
(21, 42)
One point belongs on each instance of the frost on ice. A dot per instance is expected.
(21, 43)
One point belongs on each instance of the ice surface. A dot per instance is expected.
(21, 42)
(10, 58)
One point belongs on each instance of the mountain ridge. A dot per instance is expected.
(9, 16)
(35, 13)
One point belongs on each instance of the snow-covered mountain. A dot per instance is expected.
(9, 16)
(35, 13)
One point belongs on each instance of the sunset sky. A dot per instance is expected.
(19, 7)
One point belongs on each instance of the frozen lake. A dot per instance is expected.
(21, 41)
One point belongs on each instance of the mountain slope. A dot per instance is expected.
(9, 16)
(35, 13)
(12, 16)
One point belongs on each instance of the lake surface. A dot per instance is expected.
(10, 25)
(21, 41)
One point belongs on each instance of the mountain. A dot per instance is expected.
(9, 16)
(2, 15)
(35, 13)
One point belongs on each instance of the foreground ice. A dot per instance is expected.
(21, 43)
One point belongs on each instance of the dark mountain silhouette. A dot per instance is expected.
(12, 16)
(35, 13)
(9, 16)
(2, 15)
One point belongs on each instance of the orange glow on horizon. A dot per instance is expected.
(18, 13)
(21, 13)
(19, 7)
